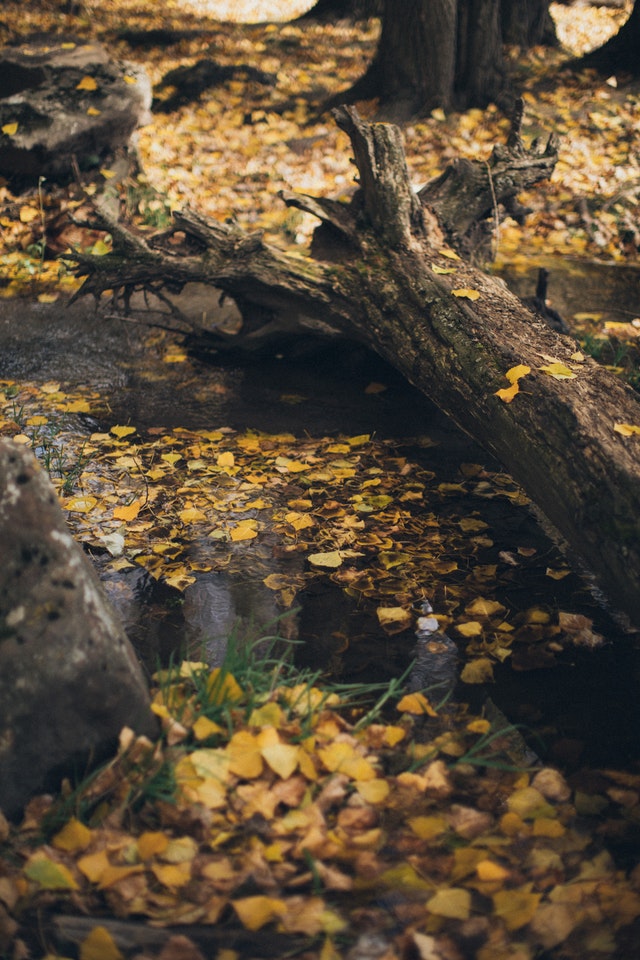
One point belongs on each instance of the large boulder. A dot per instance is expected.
(63, 103)
(69, 679)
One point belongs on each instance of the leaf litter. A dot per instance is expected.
(285, 806)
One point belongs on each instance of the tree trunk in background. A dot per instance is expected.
(479, 71)
(527, 23)
(434, 53)
(620, 54)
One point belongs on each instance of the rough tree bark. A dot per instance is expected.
(526, 23)
(434, 53)
(392, 288)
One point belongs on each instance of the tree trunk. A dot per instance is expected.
(620, 53)
(450, 329)
(434, 53)
(526, 23)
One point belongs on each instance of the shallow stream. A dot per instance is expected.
(578, 708)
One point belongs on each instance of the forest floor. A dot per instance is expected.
(275, 818)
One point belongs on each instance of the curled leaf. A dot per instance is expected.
(626, 429)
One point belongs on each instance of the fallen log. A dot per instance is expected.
(452, 330)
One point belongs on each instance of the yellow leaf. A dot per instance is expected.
(254, 912)
(180, 580)
(546, 827)
(626, 429)
(150, 843)
(28, 214)
(477, 671)
(442, 270)
(466, 293)
(10, 128)
(244, 530)
(479, 726)
(191, 515)
(87, 83)
(175, 356)
(80, 504)
(343, 758)
(171, 458)
(450, 254)
(331, 559)
(107, 174)
(394, 619)
(93, 112)
(114, 874)
(74, 836)
(93, 865)
(416, 703)
(506, 394)
(180, 850)
(121, 432)
(558, 371)
(452, 902)
(129, 79)
(373, 791)
(245, 755)
(282, 758)
(99, 945)
(491, 871)
(48, 297)
(516, 907)
(129, 512)
(481, 607)
(225, 459)
(222, 687)
(48, 874)
(100, 248)
(470, 629)
(393, 735)
(428, 827)
(172, 875)
(516, 373)
(587, 316)
(204, 728)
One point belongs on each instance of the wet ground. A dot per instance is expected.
(582, 709)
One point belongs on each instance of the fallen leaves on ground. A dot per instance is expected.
(233, 150)
(294, 816)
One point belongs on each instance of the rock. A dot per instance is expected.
(69, 679)
(65, 101)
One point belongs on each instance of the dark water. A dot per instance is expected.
(583, 708)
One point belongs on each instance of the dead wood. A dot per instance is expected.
(556, 438)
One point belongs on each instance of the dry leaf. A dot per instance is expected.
(466, 293)
(558, 371)
(87, 83)
(626, 429)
